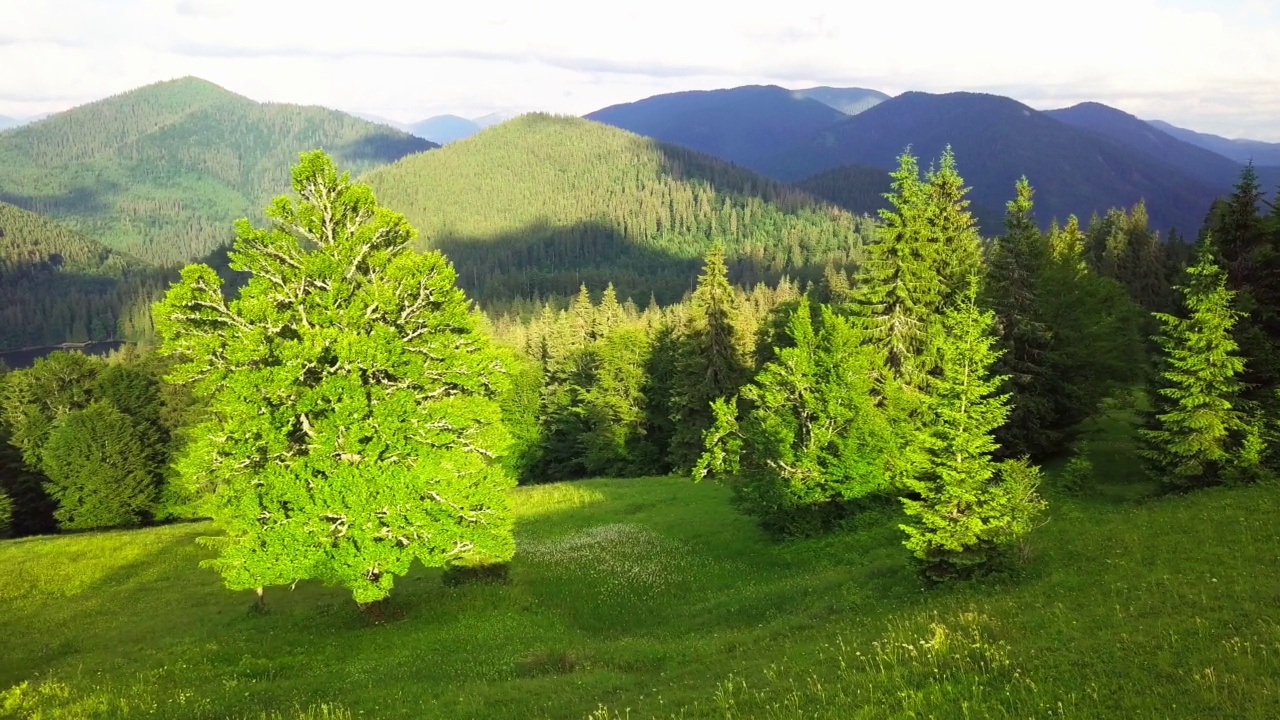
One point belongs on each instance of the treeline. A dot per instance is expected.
(57, 286)
(941, 372)
(161, 172)
(541, 205)
(86, 442)
(936, 374)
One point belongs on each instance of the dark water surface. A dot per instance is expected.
(18, 359)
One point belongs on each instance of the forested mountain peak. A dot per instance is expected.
(1131, 132)
(744, 124)
(162, 171)
(544, 203)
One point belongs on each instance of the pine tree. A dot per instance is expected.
(354, 423)
(927, 247)
(1250, 256)
(898, 286)
(1198, 435)
(6, 514)
(712, 359)
(813, 437)
(952, 226)
(966, 505)
(1015, 275)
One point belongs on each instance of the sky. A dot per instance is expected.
(1210, 65)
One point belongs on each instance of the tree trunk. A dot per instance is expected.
(260, 600)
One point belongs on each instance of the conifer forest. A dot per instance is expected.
(574, 419)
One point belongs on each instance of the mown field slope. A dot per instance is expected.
(162, 171)
(652, 598)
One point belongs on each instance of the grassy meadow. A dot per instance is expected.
(653, 598)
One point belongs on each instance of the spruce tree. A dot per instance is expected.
(898, 286)
(966, 506)
(1098, 346)
(954, 231)
(1015, 275)
(812, 438)
(613, 442)
(712, 359)
(925, 250)
(6, 514)
(1250, 256)
(1198, 434)
(354, 426)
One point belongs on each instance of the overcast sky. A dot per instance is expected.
(1211, 65)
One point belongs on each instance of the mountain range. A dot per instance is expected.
(541, 204)
(1242, 151)
(161, 172)
(1082, 160)
(99, 203)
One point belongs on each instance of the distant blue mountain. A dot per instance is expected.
(996, 140)
(1127, 130)
(848, 100)
(1242, 151)
(444, 129)
(9, 122)
(745, 125)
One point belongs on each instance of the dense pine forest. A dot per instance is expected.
(642, 395)
(540, 205)
(161, 172)
(58, 286)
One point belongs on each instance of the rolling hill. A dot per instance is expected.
(1240, 150)
(58, 286)
(848, 100)
(541, 204)
(7, 122)
(161, 172)
(744, 125)
(997, 140)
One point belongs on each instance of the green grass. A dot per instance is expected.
(651, 597)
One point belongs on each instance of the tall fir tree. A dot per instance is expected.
(812, 437)
(354, 425)
(952, 226)
(898, 286)
(925, 250)
(1015, 275)
(965, 505)
(1198, 435)
(713, 359)
(1250, 256)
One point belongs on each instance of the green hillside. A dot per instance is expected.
(654, 598)
(58, 286)
(543, 204)
(162, 171)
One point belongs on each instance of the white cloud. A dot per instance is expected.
(1213, 69)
